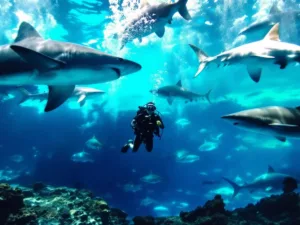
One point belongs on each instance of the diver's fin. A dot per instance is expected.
(280, 138)
(273, 34)
(274, 9)
(236, 187)
(170, 100)
(270, 169)
(25, 94)
(179, 83)
(160, 32)
(36, 59)
(254, 73)
(26, 31)
(183, 11)
(202, 58)
(81, 100)
(58, 95)
(144, 3)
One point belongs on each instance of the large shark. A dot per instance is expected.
(254, 55)
(281, 122)
(60, 65)
(172, 92)
(81, 94)
(275, 16)
(152, 19)
(268, 182)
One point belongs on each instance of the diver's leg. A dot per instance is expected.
(137, 142)
(127, 146)
(149, 144)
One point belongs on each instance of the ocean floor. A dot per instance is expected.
(43, 205)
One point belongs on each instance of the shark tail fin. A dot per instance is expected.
(207, 96)
(25, 94)
(202, 58)
(236, 188)
(183, 11)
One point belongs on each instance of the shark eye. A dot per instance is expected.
(120, 59)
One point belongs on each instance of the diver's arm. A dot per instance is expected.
(162, 126)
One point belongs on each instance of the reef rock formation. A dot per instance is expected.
(43, 204)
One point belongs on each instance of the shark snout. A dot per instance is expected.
(127, 67)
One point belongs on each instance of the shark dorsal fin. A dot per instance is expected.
(26, 31)
(298, 108)
(144, 3)
(273, 34)
(271, 170)
(179, 83)
(274, 9)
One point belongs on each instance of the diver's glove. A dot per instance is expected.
(158, 123)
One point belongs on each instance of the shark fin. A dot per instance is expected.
(160, 32)
(207, 96)
(282, 62)
(254, 73)
(25, 94)
(81, 100)
(270, 169)
(170, 100)
(236, 187)
(183, 11)
(179, 83)
(202, 58)
(273, 34)
(280, 138)
(58, 95)
(26, 31)
(36, 59)
(144, 3)
(274, 9)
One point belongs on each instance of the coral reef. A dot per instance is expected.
(43, 204)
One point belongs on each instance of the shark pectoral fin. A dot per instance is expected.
(58, 95)
(254, 73)
(280, 138)
(81, 100)
(82, 103)
(36, 59)
(160, 32)
(183, 11)
(170, 100)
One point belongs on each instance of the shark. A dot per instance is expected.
(271, 181)
(152, 19)
(275, 16)
(172, 92)
(270, 50)
(280, 122)
(32, 60)
(81, 94)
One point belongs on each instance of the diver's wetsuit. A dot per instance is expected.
(145, 126)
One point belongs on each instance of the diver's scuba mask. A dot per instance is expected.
(150, 107)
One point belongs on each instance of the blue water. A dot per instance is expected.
(46, 141)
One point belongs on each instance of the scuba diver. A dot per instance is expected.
(145, 124)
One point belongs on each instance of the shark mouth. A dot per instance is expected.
(118, 72)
